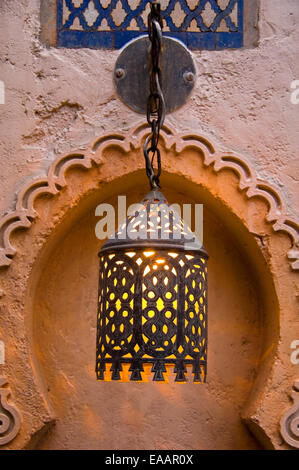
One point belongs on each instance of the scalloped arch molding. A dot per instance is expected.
(249, 183)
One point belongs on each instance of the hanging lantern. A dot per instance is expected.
(152, 311)
(152, 298)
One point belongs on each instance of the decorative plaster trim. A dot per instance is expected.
(249, 183)
(289, 424)
(10, 421)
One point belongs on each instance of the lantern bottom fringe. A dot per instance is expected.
(160, 371)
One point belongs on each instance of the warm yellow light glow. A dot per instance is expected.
(145, 339)
(148, 253)
(146, 271)
(160, 304)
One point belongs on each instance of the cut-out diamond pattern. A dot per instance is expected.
(152, 309)
(200, 24)
(159, 319)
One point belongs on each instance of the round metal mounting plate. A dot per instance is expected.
(131, 73)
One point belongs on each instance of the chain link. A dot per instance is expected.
(155, 104)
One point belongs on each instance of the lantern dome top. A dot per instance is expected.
(154, 223)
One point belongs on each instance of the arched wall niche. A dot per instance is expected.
(55, 247)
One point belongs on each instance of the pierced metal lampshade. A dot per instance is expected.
(152, 312)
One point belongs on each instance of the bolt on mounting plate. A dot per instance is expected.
(131, 73)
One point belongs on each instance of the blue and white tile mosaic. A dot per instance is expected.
(200, 24)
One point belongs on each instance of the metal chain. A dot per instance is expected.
(155, 104)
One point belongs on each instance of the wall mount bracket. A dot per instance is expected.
(131, 73)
